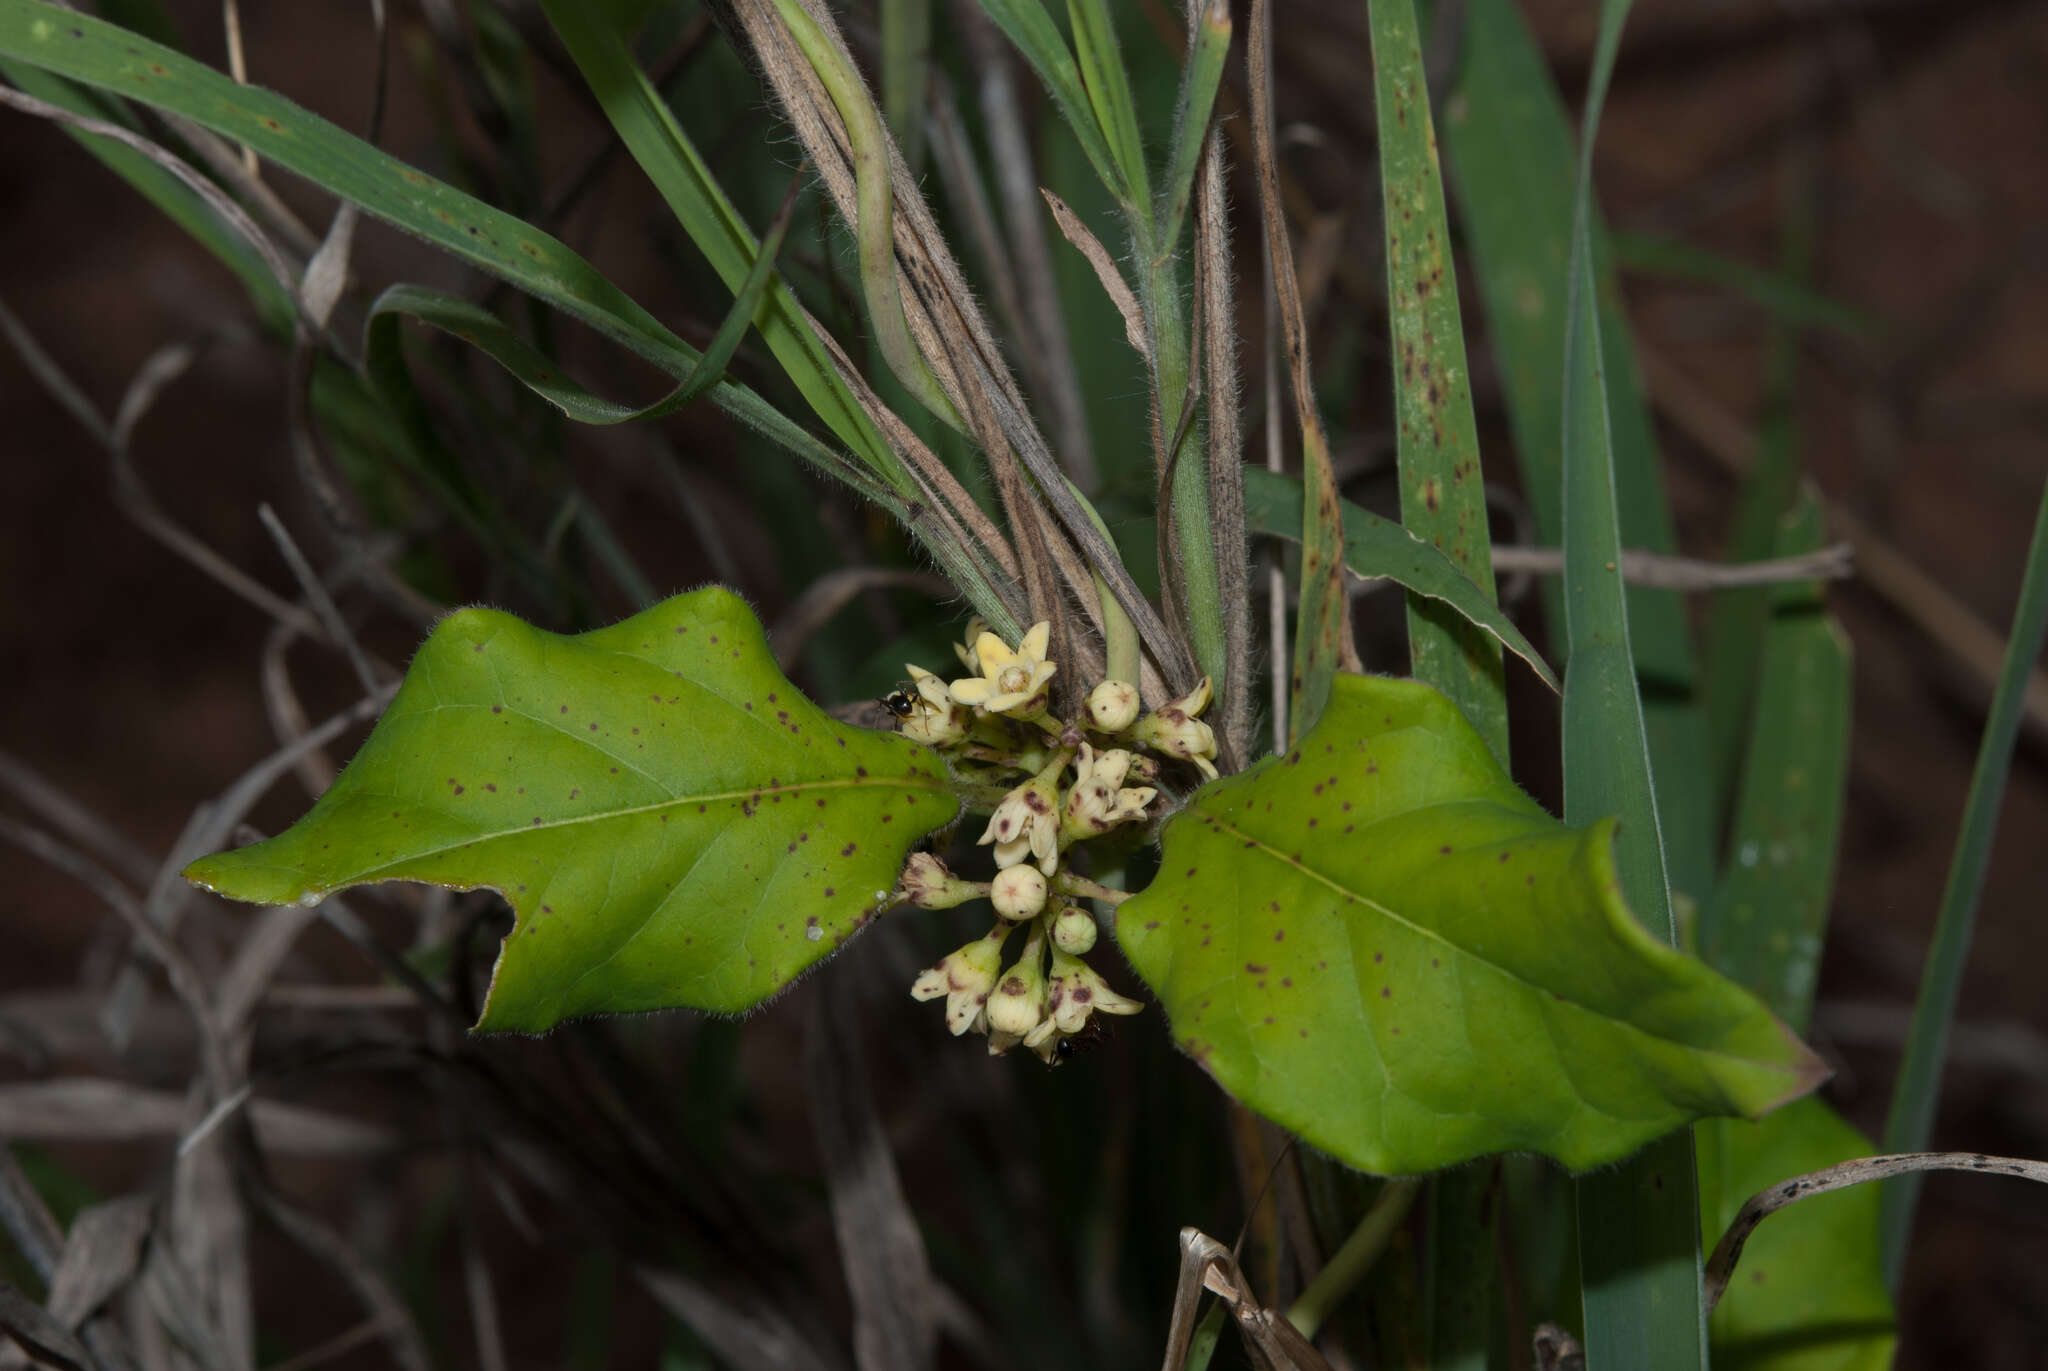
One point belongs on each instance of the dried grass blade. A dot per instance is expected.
(1322, 639)
(40, 1335)
(881, 1250)
(1113, 283)
(1217, 322)
(101, 1254)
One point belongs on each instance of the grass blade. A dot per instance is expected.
(1764, 927)
(177, 200)
(1639, 1244)
(100, 55)
(1322, 633)
(906, 72)
(1443, 496)
(1026, 24)
(1786, 298)
(664, 152)
(1911, 1119)
(1443, 500)
(1200, 78)
(1376, 548)
(1109, 91)
(1508, 143)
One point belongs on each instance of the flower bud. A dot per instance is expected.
(1018, 892)
(927, 883)
(965, 978)
(1027, 824)
(1073, 931)
(1113, 706)
(1017, 1004)
(1175, 730)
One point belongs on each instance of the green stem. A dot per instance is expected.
(1067, 883)
(1355, 1258)
(1195, 575)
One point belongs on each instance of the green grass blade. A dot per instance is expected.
(1639, 1245)
(906, 73)
(1380, 549)
(177, 200)
(1788, 299)
(1736, 620)
(1443, 495)
(666, 154)
(1509, 148)
(1109, 92)
(100, 55)
(1026, 24)
(1911, 1120)
(1443, 500)
(1764, 927)
(1201, 76)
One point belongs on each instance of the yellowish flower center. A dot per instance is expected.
(1012, 679)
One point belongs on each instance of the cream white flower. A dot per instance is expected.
(1012, 681)
(1175, 730)
(1113, 706)
(1018, 892)
(964, 649)
(965, 978)
(1073, 992)
(935, 719)
(1095, 804)
(1027, 824)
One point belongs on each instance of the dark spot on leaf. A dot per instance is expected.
(1379, 956)
(1254, 969)
(828, 892)
(497, 709)
(1385, 993)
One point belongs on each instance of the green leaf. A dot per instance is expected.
(672, 822)
(1809, 1294)
(1443, 493)
(1380, 549)
(1379, 942)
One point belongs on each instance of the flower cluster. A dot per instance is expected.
(1046, 786)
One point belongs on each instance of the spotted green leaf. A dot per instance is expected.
(673, 823)
(1379, 942)
(1809, 1293)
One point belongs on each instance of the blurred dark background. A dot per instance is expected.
(1916, 133)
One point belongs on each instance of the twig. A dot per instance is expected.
(1832, 563)
(185, 980)
(323, 604)
(1721, 1265)
(62, 812)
